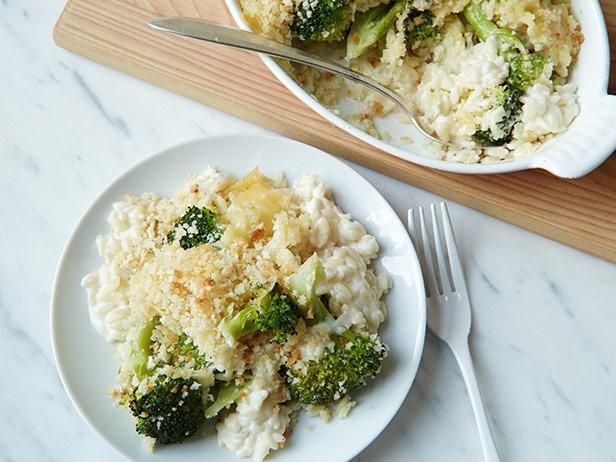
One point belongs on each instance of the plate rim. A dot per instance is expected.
(61, 267)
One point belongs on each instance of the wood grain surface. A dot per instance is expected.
(580, 213)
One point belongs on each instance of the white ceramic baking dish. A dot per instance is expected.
(588, 142)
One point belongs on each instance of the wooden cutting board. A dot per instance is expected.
(580, 213)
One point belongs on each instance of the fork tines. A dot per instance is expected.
(440, 263)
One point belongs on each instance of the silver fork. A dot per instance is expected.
(449, 308)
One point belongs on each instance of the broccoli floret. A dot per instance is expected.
(303, 285)
(171, 411)
(322, 20)
(370, 26)
(183, 352)
(227, 395)
(507, 97)
(353, 360)
(199, 226)
(421, 30)
(524, 69)
(273, 311)
(278, 315)
(142, 349)
(186, 351)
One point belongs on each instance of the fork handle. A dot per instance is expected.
(465, 362)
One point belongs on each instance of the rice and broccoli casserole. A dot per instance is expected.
(490, 76)
(235, 305)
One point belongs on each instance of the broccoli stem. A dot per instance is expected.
(370, 26)
(243, 323)
(484, 28)
(142, 349)
(226, 396)
(303, 285)
(319, 312)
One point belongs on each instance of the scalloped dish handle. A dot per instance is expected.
(589, 142)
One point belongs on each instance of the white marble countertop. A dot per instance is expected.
(544, 314)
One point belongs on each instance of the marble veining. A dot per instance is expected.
(544, 315)
(115, 121)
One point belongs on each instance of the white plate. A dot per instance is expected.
(86, 362)
(586, 144)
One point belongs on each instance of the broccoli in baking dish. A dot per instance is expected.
(369, 27)
(421, 30)
(524, 68)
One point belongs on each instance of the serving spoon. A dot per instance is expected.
(211, 32)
